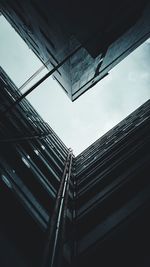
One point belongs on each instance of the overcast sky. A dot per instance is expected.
(80, 123)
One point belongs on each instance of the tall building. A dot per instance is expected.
(32, 166)
(59, 210)
(92, 36)
(113, 196)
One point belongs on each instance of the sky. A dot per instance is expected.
(82, 122)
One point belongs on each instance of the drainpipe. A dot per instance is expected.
(56, 226)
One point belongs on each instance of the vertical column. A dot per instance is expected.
(53, 249)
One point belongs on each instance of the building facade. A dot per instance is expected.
(113, 196)
(59, 210)
(100, 34)
(32, 167)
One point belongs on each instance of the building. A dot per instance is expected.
(32, 164)
(97, 35)
(59, 210)
(113, 196)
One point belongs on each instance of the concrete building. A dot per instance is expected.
(59, 210)
(101, 33)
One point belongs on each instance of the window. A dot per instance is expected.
(36, 151)
(6, 181)
(26, 162)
